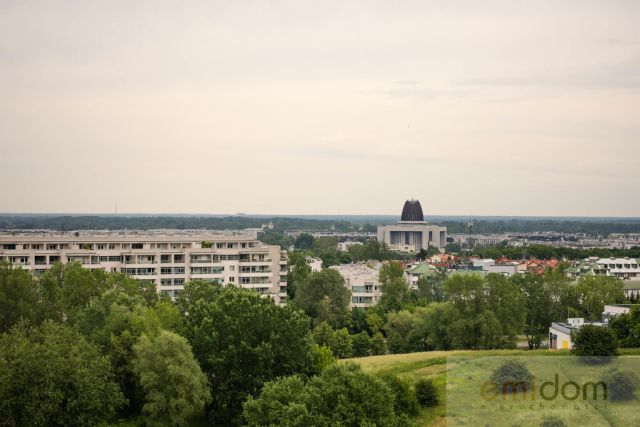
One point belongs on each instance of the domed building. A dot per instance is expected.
(412, 233)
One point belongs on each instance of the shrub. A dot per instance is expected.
(552, 421)
(405, 401)
(621, 385)
(378, 344)
(361, 344)
(426, 393)
(322, 358)
(512, 376)
(595, 343)
(341, 395)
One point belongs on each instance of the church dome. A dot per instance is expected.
(412, 211)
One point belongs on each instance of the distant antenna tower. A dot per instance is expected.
(469, 229)
(116, 208)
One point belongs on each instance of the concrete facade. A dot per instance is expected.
(362, 280)
(167, 260)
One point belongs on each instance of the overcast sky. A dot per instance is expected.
(320, 107)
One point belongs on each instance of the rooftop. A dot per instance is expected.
(412, 211)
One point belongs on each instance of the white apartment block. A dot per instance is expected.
(314, 263)
(362, 280)
(167, 260)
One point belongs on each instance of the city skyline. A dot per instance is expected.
(294, 108)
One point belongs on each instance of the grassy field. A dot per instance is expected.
(473, 365)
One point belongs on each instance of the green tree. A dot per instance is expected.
(243, 340)
(378, 344)
(627, 327)
(594, 292)
(174, 386)
(340, 344)
(594, 343)
(18, 296)
(322, 358)
(297, 272)
(506, 301)
(395, 289)
(114, 322)
(322, 334)
(323, 296)
(195, 290)
(404, 399)
(51, 376)
(426, 392)
(304, 241)
(564, 299)
(361, 344)
(70, 287)
(430, 289)
(476, 326)
(401, 336)
(342, 395)
(537, 300)
(431, 326)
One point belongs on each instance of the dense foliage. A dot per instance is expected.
(341, 395)
(594, 343)
(175, 388)
(426, 392)
(627, 327)
(323, 296)
(52, 376)
(542, 251)
(86, 347)
(242, 341)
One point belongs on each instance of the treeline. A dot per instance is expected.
(326, 248)
(120, 222)
(85, 347)
(549, 252)
(515, 225)
(463, 311)
(147, 222)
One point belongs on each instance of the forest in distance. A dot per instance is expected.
(344, 223)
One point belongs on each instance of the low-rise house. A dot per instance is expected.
(622, 268)
(344, 246)
(560, 332)
(414, 272)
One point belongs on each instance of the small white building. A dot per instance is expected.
(490, 266)
(613, 310)
(344, 246)
(362, 280)
(560, 332)
(314, 263)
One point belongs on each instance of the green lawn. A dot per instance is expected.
(473, 365)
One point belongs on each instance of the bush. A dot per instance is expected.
(426, 393)
(342, 395)
(361, 344)
(322, 358)
(594, 342)
(405, 401)
(621, 385)
(512, 376)
(552, 421)
(378, 344)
